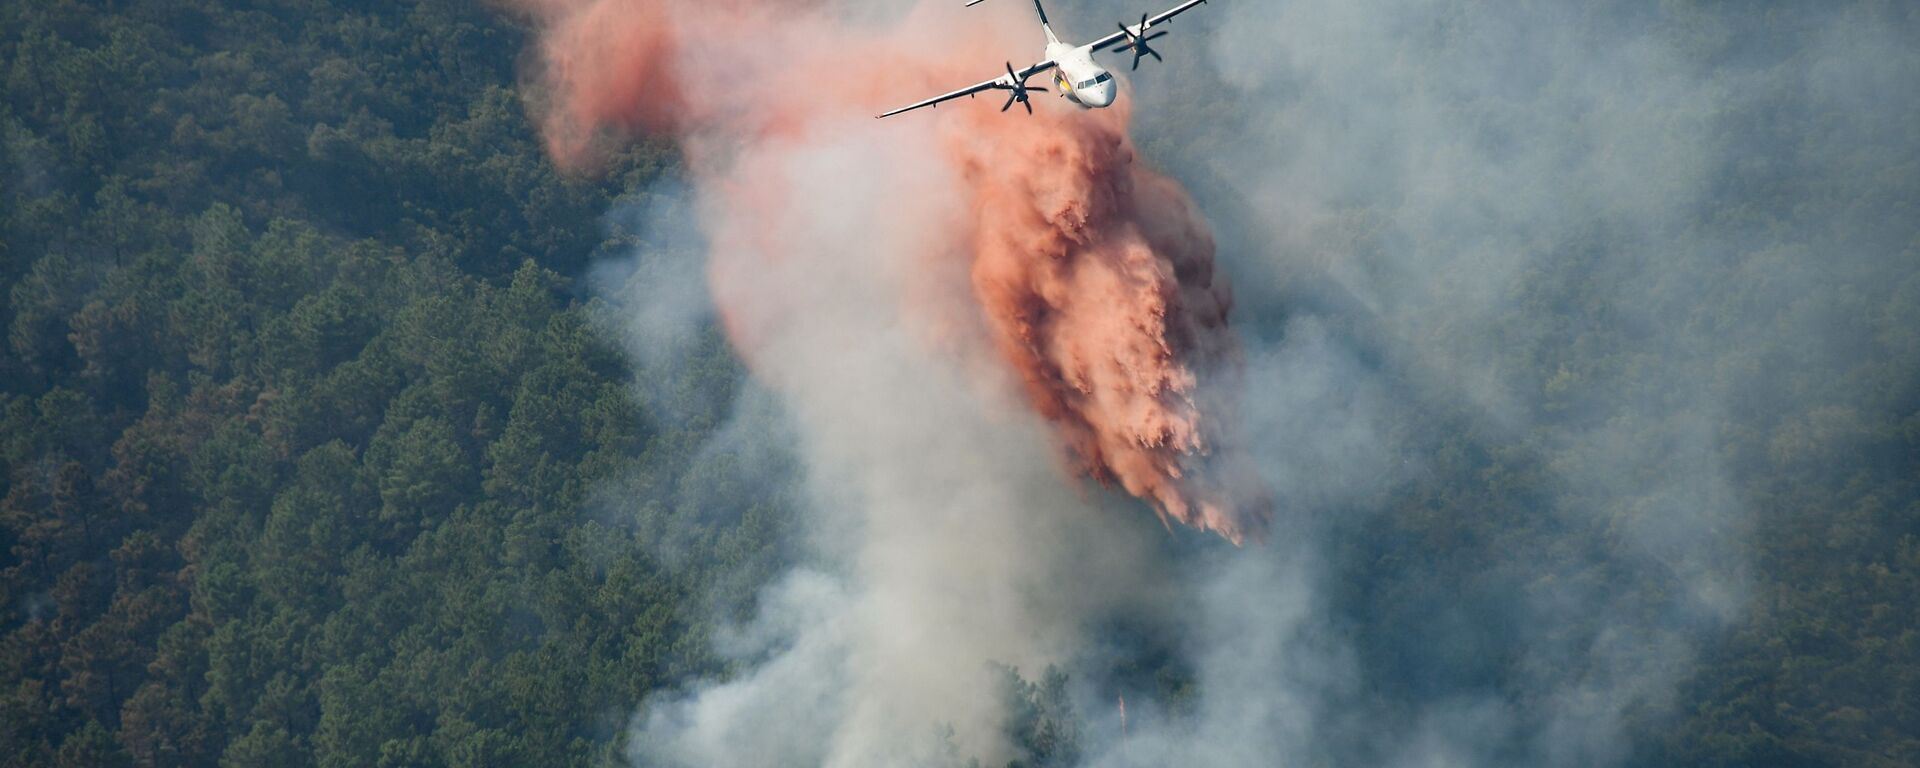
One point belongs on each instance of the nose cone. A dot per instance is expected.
(1103, 95)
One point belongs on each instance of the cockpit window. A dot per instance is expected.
(1104, 77)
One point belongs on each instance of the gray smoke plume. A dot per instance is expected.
(941, 535)
(1509, 277)
(1571, 241)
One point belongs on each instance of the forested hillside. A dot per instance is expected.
(315, 452)
(301, 420)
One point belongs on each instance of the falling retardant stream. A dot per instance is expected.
(1090, 278)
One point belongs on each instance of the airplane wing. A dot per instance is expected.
(1002, 83)
(1141, 29)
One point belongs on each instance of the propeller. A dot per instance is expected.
(1018, 86)
(1139, 45)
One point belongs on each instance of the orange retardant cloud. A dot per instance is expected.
(1090, 278)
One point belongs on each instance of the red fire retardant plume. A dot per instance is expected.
(1091, 277)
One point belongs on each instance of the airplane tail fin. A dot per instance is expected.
(1044, 24)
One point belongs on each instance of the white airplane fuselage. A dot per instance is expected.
(1079, 79)
(1075, 75)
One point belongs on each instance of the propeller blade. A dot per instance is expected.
(1017, 90)
(1156, 55)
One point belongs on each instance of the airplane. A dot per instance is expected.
(1076, 76)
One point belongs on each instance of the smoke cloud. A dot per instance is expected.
(1089, 277)
(1510, 282)
(1518, 278)
(951, 309)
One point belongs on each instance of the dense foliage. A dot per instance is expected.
(304, 430)
(301, 423)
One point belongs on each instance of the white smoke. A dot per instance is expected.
(1419, 203)
(943, 537)
(1458, 193)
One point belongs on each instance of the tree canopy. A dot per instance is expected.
(309, 439)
